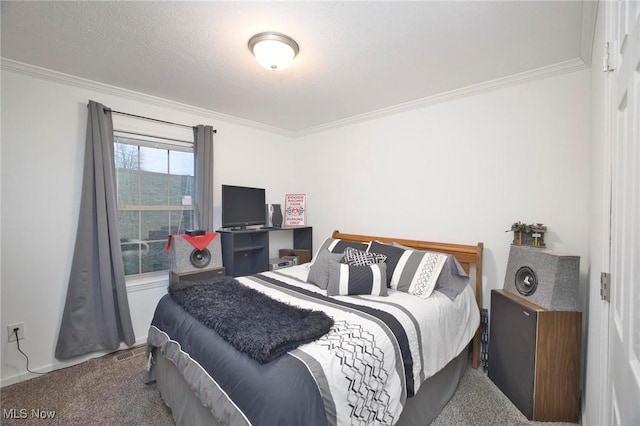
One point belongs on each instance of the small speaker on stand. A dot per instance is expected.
(273, 215)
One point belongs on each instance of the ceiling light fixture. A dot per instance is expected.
(273, 51)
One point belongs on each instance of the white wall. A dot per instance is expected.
(462, 171)
(43, 133)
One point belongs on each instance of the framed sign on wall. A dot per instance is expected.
(295, 210)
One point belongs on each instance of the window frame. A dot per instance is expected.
(152, 135)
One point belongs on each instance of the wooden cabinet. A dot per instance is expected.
(175, 277)
(246, 252)
(535, 357)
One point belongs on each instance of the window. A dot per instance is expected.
(156, 186)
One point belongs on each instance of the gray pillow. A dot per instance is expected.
(453, 279)
(319, 271)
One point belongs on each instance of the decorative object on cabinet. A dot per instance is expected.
(528, 234)
(295, 209)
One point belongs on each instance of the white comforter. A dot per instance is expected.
(437, 330)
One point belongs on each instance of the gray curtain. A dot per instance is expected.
(96, 312)
(203, 160)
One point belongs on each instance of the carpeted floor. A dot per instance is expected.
(102, 391)
(479, 402)
(109, 391)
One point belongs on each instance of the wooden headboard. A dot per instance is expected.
(467, 255)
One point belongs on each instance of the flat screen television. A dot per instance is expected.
(242, 206)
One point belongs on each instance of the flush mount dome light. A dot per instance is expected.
(273, 51)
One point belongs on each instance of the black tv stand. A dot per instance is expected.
(246, 251)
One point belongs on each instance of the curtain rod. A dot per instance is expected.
(152, 119)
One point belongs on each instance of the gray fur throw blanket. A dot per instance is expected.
(254, 323)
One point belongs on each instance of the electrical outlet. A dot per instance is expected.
(12, 335)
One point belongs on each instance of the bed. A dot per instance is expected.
(392, 359)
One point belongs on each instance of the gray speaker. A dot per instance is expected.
(187, 258)
(273, 215)
(544, 277)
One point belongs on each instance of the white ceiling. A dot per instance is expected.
(356, 58)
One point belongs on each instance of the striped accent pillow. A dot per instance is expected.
(393, 255)
(345, 280)
(453, 279)
(412, 271)
(355, 257)
(417, 272)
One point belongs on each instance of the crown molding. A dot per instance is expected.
(59, 77)
(560, 68)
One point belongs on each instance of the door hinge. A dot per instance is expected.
(605, 58)
(605, 286)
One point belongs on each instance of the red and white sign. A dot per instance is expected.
(295, 209)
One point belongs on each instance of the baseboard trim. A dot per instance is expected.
(11, 380)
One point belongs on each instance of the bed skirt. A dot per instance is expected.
(422, 409)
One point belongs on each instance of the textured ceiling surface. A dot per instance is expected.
(355, 57)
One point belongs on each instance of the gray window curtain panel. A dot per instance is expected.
(96, 312)
(203, 161)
